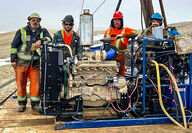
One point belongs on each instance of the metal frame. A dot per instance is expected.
(189, 92)
(59, 125)
(112, 123)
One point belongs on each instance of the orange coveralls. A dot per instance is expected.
(27, 62)
(22, 72)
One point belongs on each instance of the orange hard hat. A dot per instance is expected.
(117, 15)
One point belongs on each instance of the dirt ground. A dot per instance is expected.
(12, 121)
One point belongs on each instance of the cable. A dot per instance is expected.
(133, 104)
(82, 7)
(190, 116)
(2, 102)
(99, 6)
(95, 117)
(153, 85)
(81, 11)
(160, 97)
(157, 89)
(117, 101)
(129, 99)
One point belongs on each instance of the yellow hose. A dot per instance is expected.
(178, 93)
(160, 96)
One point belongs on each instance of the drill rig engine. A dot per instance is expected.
(67, 85)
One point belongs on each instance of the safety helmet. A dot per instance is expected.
(34, 15)
(157, 16)
(68, 18)
(117, 15)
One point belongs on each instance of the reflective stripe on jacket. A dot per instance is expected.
(67, 38)
(21, 45)
(60, 37)
(121, 44)
(24, 54)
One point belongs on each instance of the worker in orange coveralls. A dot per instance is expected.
(120, 36)
(26, 61)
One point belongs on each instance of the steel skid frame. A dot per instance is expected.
(153, 119)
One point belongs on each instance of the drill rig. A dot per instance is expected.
(71, 85)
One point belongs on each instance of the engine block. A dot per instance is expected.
(89, 78)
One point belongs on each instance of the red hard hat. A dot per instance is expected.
(117, 15)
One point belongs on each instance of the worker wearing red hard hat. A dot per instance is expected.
(120, 36)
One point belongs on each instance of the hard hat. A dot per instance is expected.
(157, 16)
(34, 15)
(68, 18)
(117, 15)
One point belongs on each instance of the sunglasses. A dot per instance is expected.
(68, 24)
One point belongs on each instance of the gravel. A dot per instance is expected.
(7, 74)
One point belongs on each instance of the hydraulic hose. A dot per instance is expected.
(160, 96)
(178, 93)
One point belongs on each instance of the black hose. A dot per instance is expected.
(1, 103)
(83, 120)
(93, 84)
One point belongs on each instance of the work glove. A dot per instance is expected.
(119, 36)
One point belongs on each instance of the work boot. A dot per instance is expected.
(21, 108)
(36, 108)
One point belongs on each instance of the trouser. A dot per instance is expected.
(22, 73)
(120, 58)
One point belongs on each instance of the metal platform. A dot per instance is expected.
(136, 121)
(113, 122)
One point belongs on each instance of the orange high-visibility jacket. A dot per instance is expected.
(120, 43)
(67, 38)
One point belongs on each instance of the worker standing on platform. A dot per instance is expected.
(155, 21)
(68, 36)
(26, 62)
(120, 36)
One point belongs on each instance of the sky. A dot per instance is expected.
(14, 13)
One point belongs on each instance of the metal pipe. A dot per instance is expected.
(150, 8)
(86, 28)
(147, 9)
(143, 3)
(163, 12)
(64, 45)
(118, 5)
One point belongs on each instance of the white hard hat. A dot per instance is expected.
(34, 15)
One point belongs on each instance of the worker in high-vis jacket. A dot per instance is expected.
(120, 36)
(156, 20)
(69, 37)
(26, 61)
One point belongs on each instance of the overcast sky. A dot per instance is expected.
(14, 13)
